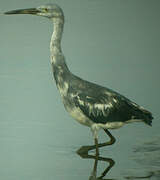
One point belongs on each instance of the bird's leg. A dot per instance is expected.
(112, 139)
(96, 144)
(85, 149)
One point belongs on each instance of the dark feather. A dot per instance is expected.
(102, 105)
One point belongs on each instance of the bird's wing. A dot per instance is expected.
(104, 107)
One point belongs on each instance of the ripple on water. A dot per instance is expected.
(147, 157)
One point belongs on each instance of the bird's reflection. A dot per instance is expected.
(83, 153)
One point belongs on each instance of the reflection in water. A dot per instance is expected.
(147, 155)
(83, 153)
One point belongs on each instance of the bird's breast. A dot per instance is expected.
(63, 89)
(76, 113)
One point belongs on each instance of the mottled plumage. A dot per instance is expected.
(100, 104)
(90, 104)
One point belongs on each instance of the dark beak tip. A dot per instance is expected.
(11, 12)
(22, 11)
(6, 13)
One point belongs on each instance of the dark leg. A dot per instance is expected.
(85, 149)
(112, 139)
(99, 158)
(96, 144)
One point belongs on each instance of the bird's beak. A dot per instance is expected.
(33, 11)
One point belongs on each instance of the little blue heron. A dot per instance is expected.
(90, 104)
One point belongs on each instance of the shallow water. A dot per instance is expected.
(112, 43)
(37, 151)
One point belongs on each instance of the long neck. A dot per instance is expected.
(55, 44)
(59, 66)
(57, 57)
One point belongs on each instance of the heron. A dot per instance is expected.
(90, 104)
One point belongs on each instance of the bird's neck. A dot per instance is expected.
(60, 70)
(55, 44)
(57, 56)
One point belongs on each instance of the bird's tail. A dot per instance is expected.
(147, 117)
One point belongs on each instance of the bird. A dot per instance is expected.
(90, 104)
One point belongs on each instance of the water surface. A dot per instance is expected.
(112, 43)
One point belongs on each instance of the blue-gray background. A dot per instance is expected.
(112, 43)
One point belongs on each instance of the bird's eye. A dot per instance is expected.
(45, 9)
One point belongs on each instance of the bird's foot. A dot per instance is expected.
(84, 150)
(112, 141)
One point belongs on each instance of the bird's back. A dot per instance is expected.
(103, 105)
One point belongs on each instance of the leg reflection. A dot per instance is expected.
(103, 174)
(97, 158)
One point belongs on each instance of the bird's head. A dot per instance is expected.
(50, 11)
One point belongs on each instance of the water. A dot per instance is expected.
(115, 44)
